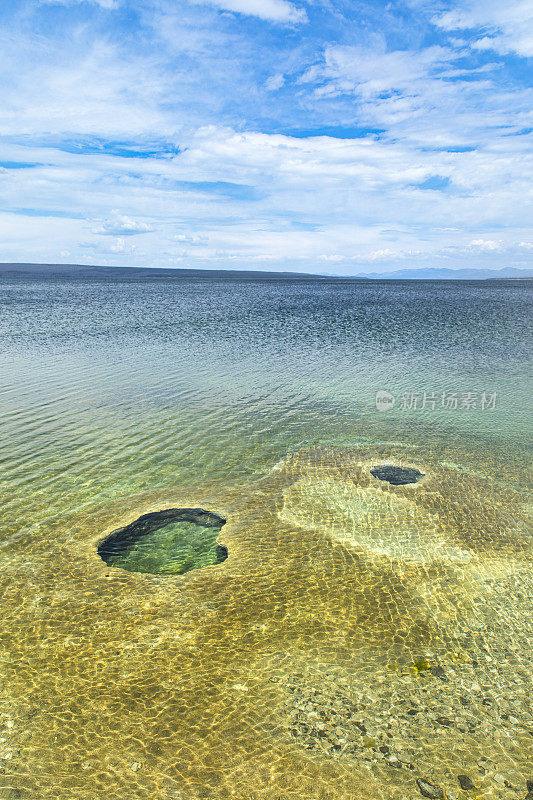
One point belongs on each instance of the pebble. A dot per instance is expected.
(408, 720)
(465, 783)
(430, 790)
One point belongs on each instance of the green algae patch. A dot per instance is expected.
(168, 542)
(421, 665)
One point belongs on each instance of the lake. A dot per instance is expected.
(357, 638)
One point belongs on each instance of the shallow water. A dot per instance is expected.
(360, 636)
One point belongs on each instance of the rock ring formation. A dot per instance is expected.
(170, 541)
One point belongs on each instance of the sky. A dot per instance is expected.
(325, 136)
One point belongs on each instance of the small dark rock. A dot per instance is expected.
(430, 790)
(465, 783)
(438, 672)
(444, 721)
(397, 476)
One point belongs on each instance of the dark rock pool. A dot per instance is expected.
(168, 542)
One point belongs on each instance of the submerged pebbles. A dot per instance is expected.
(420, 720)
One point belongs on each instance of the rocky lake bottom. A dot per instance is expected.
(327, 657)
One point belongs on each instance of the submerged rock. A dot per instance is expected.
(398, 476)
(438, 672)
(465, 783)
(168, 542)
(430, 790)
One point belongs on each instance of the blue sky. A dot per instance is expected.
(328, 136)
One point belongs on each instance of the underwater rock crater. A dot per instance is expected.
(397, 476)
(168, 542)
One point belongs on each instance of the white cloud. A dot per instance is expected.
(121, 225)
(227, 193)
(357, 199)
(120, 246)
(271, 10)
(373, 71)
(419, 95)
(383, 254)
(274, 83)
(191, 240)
(507, 27)
(487, 245)
(116, 249)
(83, 88)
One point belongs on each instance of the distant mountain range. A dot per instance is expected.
(438, 274)
(86, 270)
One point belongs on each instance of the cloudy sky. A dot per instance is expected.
(329, 136)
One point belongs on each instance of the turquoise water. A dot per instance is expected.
(126, 386)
